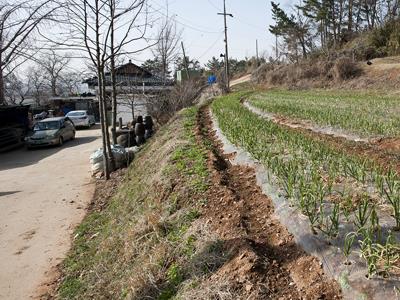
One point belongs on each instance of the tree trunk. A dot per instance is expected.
(2, 94)
(100, 75)
(322, 32)
(102, 124)
(114, 104)
(53, 88)
(358, 19)
(303, 47)
(374, 16)
(350, 21)
(107, 125)
(133, 107)
(341, 10)
(113, 79)
(334, 25)
(367, 14)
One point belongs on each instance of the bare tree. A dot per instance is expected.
(135, 8)
(16, 90)
(37, 85)
(70, 83)
(92, 22)
(164, 105)
(166, 49)
(18, 21)
(53, 65)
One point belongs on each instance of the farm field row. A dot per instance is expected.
(334, 189)
(365, 114)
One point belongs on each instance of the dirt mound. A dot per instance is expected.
(389, 144)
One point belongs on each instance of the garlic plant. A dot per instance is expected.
(324, 183)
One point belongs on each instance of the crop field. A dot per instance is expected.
(341, 194)
(365, 114)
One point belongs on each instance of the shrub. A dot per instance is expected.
(386, 39)
(164, 106)
(261, 74)
(345, 68)
(278, 76)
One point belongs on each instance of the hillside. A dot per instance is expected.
(382, 74)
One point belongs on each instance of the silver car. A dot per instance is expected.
(51, 131)
(81, 118)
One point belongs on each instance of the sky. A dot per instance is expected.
(203, 29)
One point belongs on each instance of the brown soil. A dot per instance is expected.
(265, 260)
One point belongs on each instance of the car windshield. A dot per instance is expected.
(50, 125)
(76, 114)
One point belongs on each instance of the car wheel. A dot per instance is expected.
(60, 141)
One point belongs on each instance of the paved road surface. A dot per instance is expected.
(43, 195)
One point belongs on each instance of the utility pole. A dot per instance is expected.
(185, 62)
(226, 46)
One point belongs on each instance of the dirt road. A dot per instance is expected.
(240, 80)
(43, 195)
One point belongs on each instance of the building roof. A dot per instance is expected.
(130, 69)
(127, 72)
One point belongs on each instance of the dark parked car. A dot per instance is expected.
(51, 131)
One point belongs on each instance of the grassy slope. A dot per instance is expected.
(146, 242)
(365, 113)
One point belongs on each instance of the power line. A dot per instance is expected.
(193, 26)
(251, 25)
(212, 46)
(237, 18)
(213, 5)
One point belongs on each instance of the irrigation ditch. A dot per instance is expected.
(350, 272)
(326, 130)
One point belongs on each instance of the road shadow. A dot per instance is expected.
(93, 127)
(8, 193)
(22, 157)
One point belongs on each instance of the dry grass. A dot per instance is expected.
(341, 72)
(205, 290)
(148, 241)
